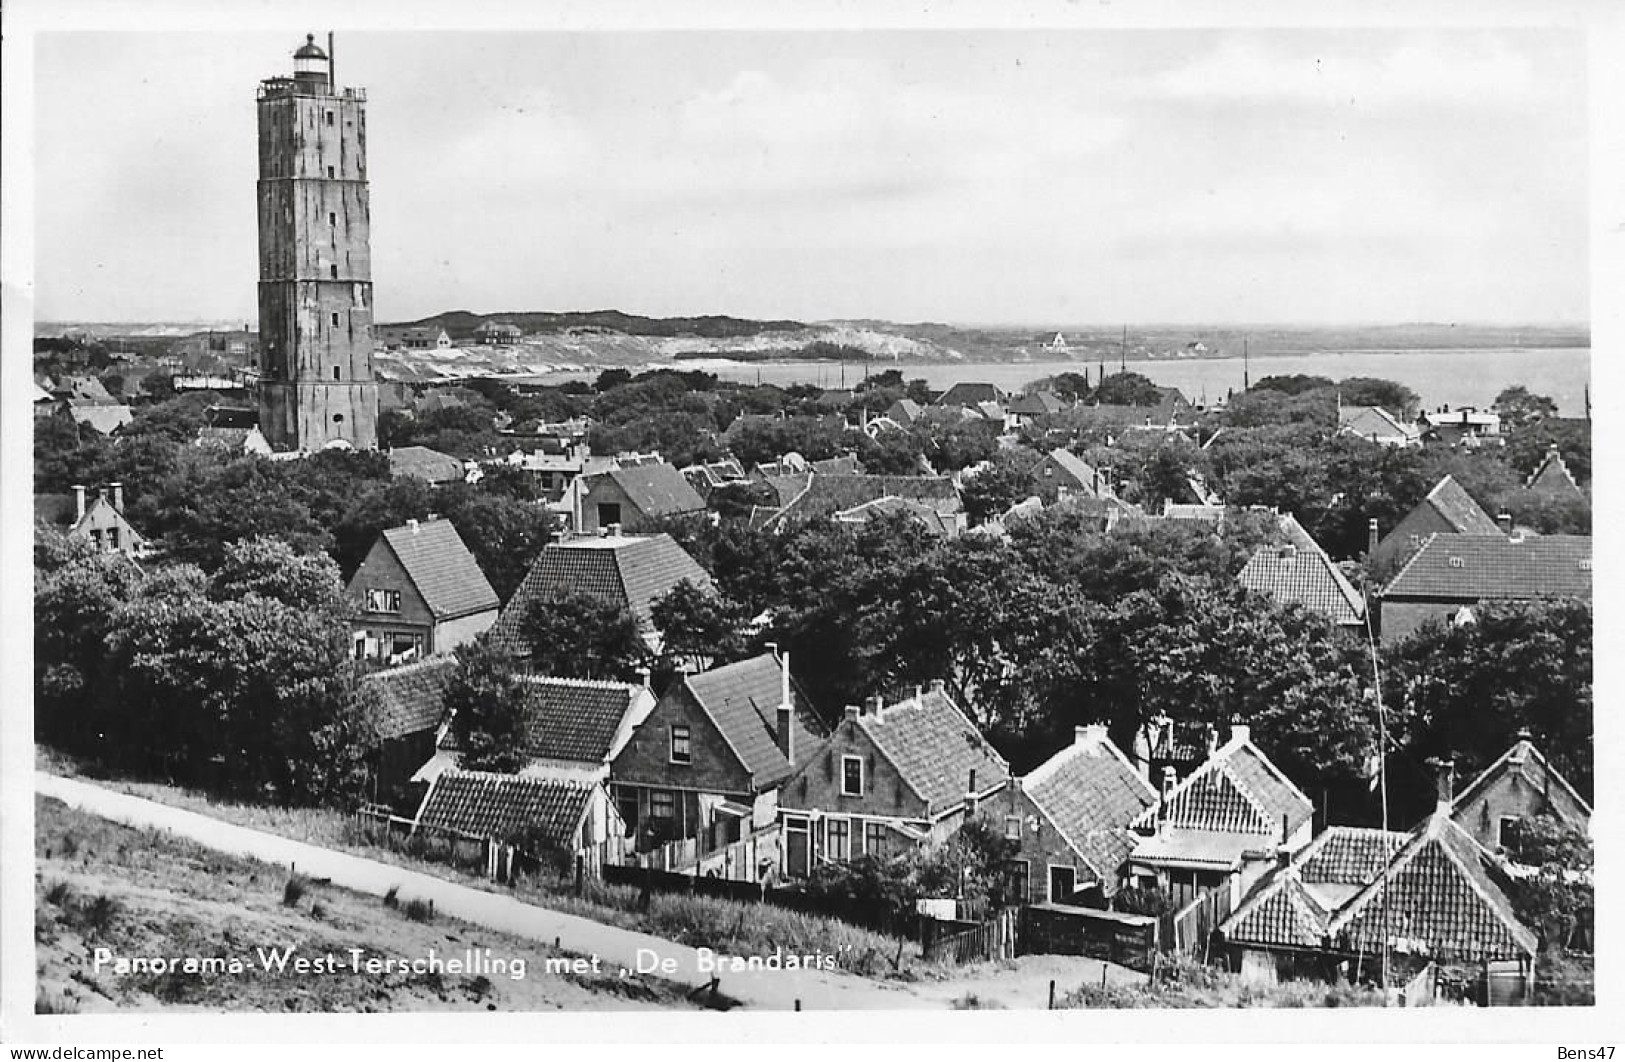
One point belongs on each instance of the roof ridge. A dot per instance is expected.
(1410, 561)
(563, 680)
(1546, 765)
(503, 776)
(1279, 774)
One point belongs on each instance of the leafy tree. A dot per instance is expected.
(1127, 389)
(609, 379)
(271, 569)
(1006, 479)
(487, 699)
(698, 625)
(1396, 398)
(1072, 386)
(891, 453)
(576, 634)
(1559, 899)
(1516, 407)
(503, 534)
(1292, 384)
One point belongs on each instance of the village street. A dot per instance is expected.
(1023, 985)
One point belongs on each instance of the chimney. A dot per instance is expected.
(853, 711)
(1285, 836)
(936, 685)
(875, 706)
(784, 681)
(970, 794)
(1503, 520)
(614, 530)
(1444, 776)
(79, 501)
(1212, 740)
(786, 733)
(1240, 732)
(1371, 536)
(412, 526)
(1289, 552)
(643, 674)
(1162, 800)
(118, 495)
(1093, 734)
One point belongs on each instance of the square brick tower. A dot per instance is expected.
(315, 290)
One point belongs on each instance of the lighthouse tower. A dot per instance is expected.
(315, 292)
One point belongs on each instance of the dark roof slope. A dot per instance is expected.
(631, 570)
(501, 805)
(657, 489)
(442, 568)
(412, 698)
(573, 720)
(1091, 793)
(968, 394)
(743, 699)
(1458, 509)
(1494, 567)
(1301, 573)
(934, 747)
(825, 496)
(420, 462)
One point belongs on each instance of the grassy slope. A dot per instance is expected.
(143, 893)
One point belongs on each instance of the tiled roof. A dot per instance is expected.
(934, 747)
(1279, 912)
(630, 570)
(575, 719)
(1524, 758)
(787, 487)
(1438, 898)
(411, 698)
(1458, 509)
(1236, 791)
(1347, 855)
(657, 489)
(420, 462)
(1037, 403)
(1368, 421)
(1301, 573)
(844, 465)
(1081, 472)
(1211, 849)
(1091, 793)
(1553, 478)
(1494, 567)
(826, 495)
(1212, 514)
(501, 805)
(442, 568)
(904, 411)
(1168, 410)
(742, 699)
(968, 394)
(925, 514)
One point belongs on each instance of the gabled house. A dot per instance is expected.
(419, 592)
(498, 332)
(1469, 427)
(99, 520)
(1447, 510)
(903, 412)
(1064, 472)
(105, 418)
(710, 758)
(929, 517)
(420, 462)
(1299, 572)
(1222, 825)
(707, 477)
(1377, 425)
(1071, 818)
(1451, 573)
(889, 777)
(409, 706)
(571, 729)
(1022, 411)
(631, 571)
(565, 821)
(969, 395)
(1553, 480)
(630, 498)
(249, 440)
(1519, 785)
(825, 495)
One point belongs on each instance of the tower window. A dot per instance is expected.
(333, 272)
(336, 376)
(338, 418)
(330, 172)
(335, 320)
(329, 117)
(332, 218)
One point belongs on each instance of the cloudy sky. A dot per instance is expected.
(1063, 176)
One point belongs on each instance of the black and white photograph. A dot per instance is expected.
(728, 518)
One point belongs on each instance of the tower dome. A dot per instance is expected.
(310, 50)
(310, 63)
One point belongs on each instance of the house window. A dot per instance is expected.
(382, 600)
(1012, 827)
(851, 775)
(680, 750)
(112, 538)
(1062, 882)
(838, 839)
(662, 804)
(1506, 832)
(402, 647)
(876, 839)
(608, 513)
(1018, 880)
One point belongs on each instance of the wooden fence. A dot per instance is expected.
(1057, 929)
(496, 860)
(978, 942)
(1189, 929)
(857, 912)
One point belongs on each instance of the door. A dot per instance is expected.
(797, 849)
(1062, 880)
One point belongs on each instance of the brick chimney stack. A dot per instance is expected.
(78, 502)
(876, 706)
(1503, 520)
(1444, 776)
(970, 794)
(1168, 780)
(1371, 536)
(118, 495)
(1093, 734)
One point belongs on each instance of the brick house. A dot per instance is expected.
(1553, 480)
(1521, 784)
(1377, 425)
(1064, 472)
(1071, 818)
(419, 592)
(99, 520)
(571, 729)
(1451, 573)
(709, 759)
(1299, 572)
(1222, 825)
(629, 498)
(1030, 407)
(632, 571)
(890, 777)
(1447, 510)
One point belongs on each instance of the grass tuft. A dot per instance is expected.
(392, 898)
(420, 910)
(294, 890)
(59, 894)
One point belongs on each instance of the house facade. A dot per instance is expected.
(419, 592)
(98, 519)
(890, 777)
(630, 498)
(1518, 786)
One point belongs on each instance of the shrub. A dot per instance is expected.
(53, 1003)
(59, 894)
(98, 915)
(420, 910)
(294, 890)
(392, 898)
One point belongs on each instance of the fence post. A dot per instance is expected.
(1052, 994)
(581, 873)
